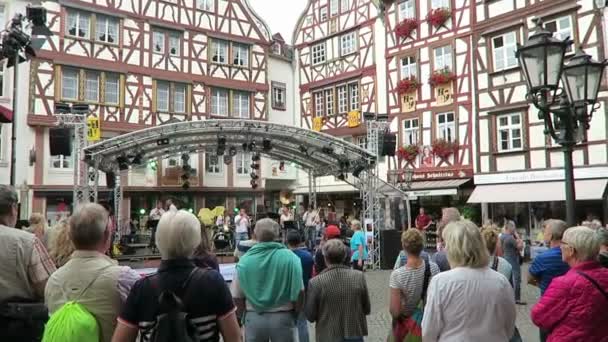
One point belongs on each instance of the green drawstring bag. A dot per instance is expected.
(71, 323)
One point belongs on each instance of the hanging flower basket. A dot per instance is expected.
(405, 28)
(443, 148)
(441, 77)
(408, 85)
(408, 152)
(438, 16)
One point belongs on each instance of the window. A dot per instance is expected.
(504, 48)
(179, 98)
(112, 87)
(446, 128)
(443, 58)
(240, 105)
(78, 24)
(333, 7)
(323, 14)
(174, 43)
(243, 162)
(278, 95)
(362, 141)
(61, 162)
(562, 29)
(407, 10)
(319, 104)
(347, 44)
(219, 102)
(318, 53)
(408, 68)
(509, 132)
(158, 41)
(69, 84)
(329, 102)
(342, 99)
(205, 5)
(212, 164)
(440, 4)
(162, 96)
(410, 132)
(107, 29)
(345, 5)
(240, 53)
(219, 51)
(353, 90)
(91, 86)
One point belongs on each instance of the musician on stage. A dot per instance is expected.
(242, 222)
(153, 218)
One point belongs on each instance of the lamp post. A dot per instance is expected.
(567, 110)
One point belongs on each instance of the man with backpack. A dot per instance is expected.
(86, 294)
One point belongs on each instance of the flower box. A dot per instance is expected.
(438, 16)
(405, 28)
(443, 148)
(408, 85)
(441, 77)
(408, 152)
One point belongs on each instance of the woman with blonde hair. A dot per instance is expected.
(470, 302)
(38, 227)
(60, 244)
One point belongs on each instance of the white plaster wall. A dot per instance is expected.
(283, 71)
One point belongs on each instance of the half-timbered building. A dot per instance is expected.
(511, 144)
(430, 96)
(147, 62)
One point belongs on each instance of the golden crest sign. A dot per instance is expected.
(354, 119)
(408, 102)
(317, 124)
(93, 129)
(444, 95)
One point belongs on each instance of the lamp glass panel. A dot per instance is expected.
(534, 65)
(555, 58)
(594, 78)
(574, 79)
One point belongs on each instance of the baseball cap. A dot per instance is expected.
(332, 232)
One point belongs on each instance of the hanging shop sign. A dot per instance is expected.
(444, 95)
(93, 129)
(354, 119)
(447, 174)
(317, 124)
(408, 102)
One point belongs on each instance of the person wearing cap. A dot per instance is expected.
(331, 232)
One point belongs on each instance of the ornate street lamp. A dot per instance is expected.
(566, 113)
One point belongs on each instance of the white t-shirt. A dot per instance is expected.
(242, 223)
(310, 218)
(156, 214)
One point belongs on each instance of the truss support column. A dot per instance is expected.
(81, 177)
(118, 206)
(313, 199)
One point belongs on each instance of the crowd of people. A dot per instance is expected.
(78, 293)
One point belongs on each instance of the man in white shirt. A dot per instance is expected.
(171, 206)
(153, 218)
(311, 220)
(242, 222)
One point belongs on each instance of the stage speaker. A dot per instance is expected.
(60, 141)
(110, 180)
(389, 144)
(390, 246)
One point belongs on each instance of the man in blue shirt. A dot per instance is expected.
(549, 264)
(294, 242)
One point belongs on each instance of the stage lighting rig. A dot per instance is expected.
(266, 145)
(232, 151)
(227, 159)
(327, 150)
(123, 162)
(254, 175)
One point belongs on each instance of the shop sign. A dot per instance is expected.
(444, 94)
(448, 174)
(93, 129)
(408, 102)
(354, 119)
(433, 192)
(317, 124)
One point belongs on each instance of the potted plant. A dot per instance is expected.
(405, 28)
(442, 76)
(443, 148)
(438, 16)
(408, 152)
(408, 85)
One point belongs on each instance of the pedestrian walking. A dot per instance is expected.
(511, 246)
(337, 299)
(471, 302)
(294, 242)
(573, 306)
(358, 246)
(200, 296)
(268, 286)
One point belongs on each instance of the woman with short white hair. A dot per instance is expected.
(203, 294)
(573, 306)
(470, 302)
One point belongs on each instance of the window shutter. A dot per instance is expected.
(102, 88)
(82, 75)
(189, 99)
(121, 92)
(153, 104)
(57, 83)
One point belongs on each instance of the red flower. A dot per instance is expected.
(438, 16)
(408, 85)
(408, 152)
(441, 77)
(443, 148)
(405, 28)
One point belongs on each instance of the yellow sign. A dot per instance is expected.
(444, 94)
(354, 118)
(408, 102)
(317, 124)
(93, 130)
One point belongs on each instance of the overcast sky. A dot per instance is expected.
(281, 16)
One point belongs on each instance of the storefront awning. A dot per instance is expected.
(588, 189)
(436, 188)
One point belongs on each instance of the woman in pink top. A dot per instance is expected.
(572, 308)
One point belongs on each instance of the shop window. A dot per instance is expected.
(509, 128)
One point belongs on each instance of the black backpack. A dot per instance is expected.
(172, 323)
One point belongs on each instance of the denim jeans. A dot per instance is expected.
(240, 237)
(517, 280)
(270, 326)
(302, 327)
(310, 237)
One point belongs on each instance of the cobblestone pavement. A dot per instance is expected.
(379, 321)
